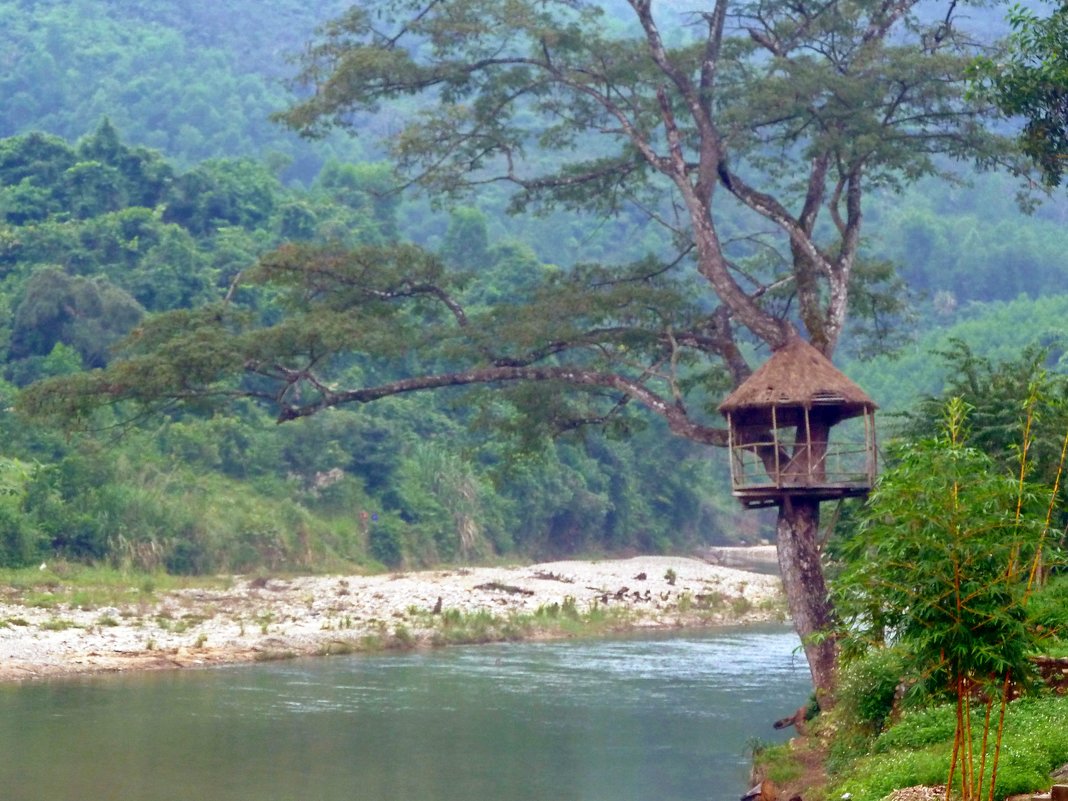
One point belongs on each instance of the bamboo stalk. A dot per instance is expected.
(956, 752)
(1001, 731)
(1025, 446)
(986, 738)
(1049, 519)
(968, 774)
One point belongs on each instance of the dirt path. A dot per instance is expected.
(263, 619)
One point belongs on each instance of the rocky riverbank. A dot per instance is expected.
(259, 618)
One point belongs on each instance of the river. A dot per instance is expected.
(631, 719)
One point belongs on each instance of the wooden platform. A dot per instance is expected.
(759, 496)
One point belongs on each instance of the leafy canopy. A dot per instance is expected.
(783, 115)
(795, 109)
(1030, 81)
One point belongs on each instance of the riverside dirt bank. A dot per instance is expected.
(254, 619)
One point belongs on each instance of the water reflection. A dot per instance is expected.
(637, 718)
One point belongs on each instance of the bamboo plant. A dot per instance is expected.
(949, 549)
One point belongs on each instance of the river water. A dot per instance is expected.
(633, 719)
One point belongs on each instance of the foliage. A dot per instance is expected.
(196, 80)
(1048, 612)
(20, 542)
(939, 558)
(958, 242)
(917, 750)
(85, 314)
(1031, 81)
(994, 391)
(943, 567)
(868, 689)
(334, 468)
(996, 335)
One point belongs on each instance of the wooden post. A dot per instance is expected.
(869, 446)
(775, 442)
(1059, 792)
(809, 477)
(730, 450)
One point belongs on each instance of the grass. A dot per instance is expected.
(917, 750)
(1057, 651)
(90, 587)
(778, 762)
(58, 624)
(795, 768)
(455, 627)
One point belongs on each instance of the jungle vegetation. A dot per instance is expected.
(263, 277)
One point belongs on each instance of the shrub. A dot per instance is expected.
(867, 689)
(20, 542)
(386, 541)
(1048, 608)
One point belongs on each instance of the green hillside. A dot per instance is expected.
(140, 173)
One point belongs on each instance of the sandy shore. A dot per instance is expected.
(254, 619)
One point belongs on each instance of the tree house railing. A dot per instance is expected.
(805, 466)
(776, 465)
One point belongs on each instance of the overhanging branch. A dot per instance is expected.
(676, 417)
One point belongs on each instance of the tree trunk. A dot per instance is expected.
(806, 590)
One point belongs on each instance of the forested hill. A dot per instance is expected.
(98, 233)
(195, 80)
(139, 173)
(199, 81)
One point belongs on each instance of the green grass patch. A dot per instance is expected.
(917, 750)
(58, 624)
(89, 587)
(777, 762)
(1057, 649)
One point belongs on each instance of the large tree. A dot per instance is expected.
(751, 130)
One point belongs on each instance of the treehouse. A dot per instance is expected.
(799, 428)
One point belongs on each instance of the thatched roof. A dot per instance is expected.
(798, 375)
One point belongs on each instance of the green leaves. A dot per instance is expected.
(311, 313)
(942, 569)
(1031, 81)
(940, 565)
(86, 314)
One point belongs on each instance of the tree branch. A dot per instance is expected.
(677, 419)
